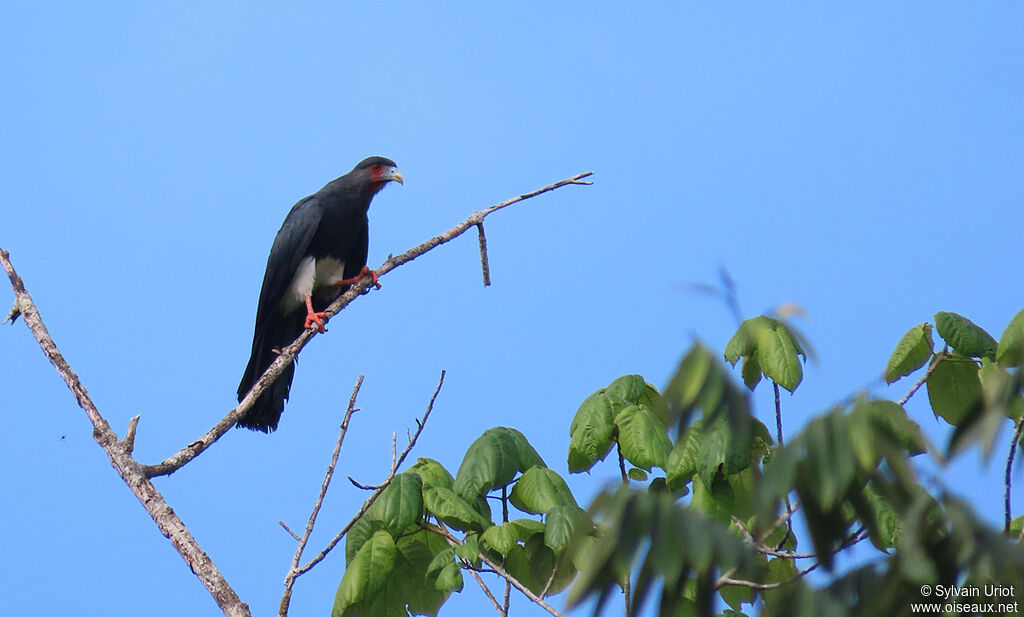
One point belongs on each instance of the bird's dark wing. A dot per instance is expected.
(273, 327)
(289, 249)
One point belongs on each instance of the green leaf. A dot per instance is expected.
(682, 461)
(367, 573)
(642, 437)
(966, 337)
(1011, 345)
(518, 565)
(410, 587)
(493, 460)
(954, 388)
(1001, 390)
(626, 390)
(751, 371)
(431, 473)
(449, 579)
(566, 524)
(450, 508)
(440, 560)
(636, 474)
(886, 531)
(526, 527)
(744, 342)
(912, 352)
(592, 432)
(725, 496)
(686, 385)
(400, 505)
(539, 490)
(778, 352)
(542, 560)
(358, 535)
(722, 446)
(501, 537)
(879, 428)
(735, 596)
(469, 549)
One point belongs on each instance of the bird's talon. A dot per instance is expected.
(317, 318)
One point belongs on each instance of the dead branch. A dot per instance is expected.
(421, 423)
(119, 453)
(289, 580)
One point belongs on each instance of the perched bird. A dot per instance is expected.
(318, 253)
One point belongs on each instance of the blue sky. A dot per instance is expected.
(863, 161)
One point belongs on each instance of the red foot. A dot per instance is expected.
(362, 273)
(316, 317)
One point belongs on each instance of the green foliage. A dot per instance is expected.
(366, 574)
(911, 353)
(771, 347)
(642, 438)
(1011, 346)
(539, 490)
(954, 388)
(493, 460)
(697, 522)
(592, 432)
(964, 336)
(629, 412)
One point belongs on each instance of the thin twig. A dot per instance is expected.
(452, 540)
(170, 525)
(420, 424)
(504, 519)
(289, 579)
(487, 592)
(778, 435)
(290, 532)
(484, 265)
(1009, 468)
(288, 354)
(365, 487)
(726, 579)
(625, 480)
(128, 443)
(924, 378)
(761, 547)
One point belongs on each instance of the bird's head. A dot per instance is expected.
(378, 171)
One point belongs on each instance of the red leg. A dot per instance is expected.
(355, 279)
(312, 316)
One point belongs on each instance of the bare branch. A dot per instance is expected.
(289, 530)
(487, 592)
(289, 579)
(128, 443)
(420, 423)
(484, 265)
(119, 454)
(288, 354)
(778, 434)
(920, 382)
(726, 578)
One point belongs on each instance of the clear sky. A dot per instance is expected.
(863, 161)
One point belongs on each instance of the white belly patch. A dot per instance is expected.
(310, 274)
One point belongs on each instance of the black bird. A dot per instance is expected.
(318, 253)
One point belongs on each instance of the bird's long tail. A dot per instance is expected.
(279, 332)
